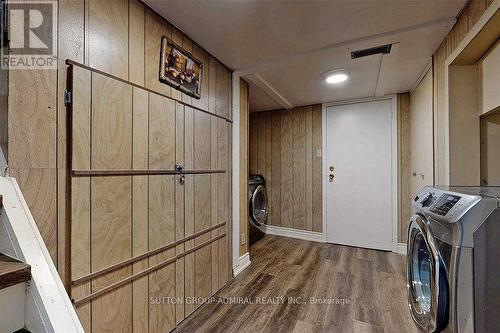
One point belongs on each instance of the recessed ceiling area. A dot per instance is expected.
(284, 48)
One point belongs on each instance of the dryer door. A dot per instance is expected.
(427, 282)
(258, 205)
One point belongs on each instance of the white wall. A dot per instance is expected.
(421, 135)
(490, 76)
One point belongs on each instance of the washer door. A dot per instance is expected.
(427, 284)
(258, 205)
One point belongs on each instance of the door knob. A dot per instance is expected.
(330, 177)
(182, 180)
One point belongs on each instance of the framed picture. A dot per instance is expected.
(179, 69)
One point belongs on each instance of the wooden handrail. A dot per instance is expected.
(145, 272)
(144, 172)
(145, 255)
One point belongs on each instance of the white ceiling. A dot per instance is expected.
(289, 45)
(259, 100)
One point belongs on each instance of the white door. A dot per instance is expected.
(358, 198)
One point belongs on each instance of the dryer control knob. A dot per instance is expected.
(428, 200)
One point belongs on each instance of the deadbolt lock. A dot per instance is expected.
(331, 168)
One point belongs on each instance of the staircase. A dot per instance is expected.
(14, 277)
(32, 296)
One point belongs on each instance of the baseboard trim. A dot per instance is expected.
(244, 262)
(401, 249)
(296, 233)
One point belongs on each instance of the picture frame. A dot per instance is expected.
(179, 69)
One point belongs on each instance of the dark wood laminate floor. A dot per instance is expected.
(296, 270)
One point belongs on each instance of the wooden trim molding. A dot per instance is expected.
(145, 272)
(145, 255)
(296, 233)
(70, 62)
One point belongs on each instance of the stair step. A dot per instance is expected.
(13, 271)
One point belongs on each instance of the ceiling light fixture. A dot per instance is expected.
(336, 76)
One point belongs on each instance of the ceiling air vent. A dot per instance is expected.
(383, 49)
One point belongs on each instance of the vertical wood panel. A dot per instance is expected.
(317, 170)
(80, 195)
(308, 167)
(187, 44)
(202, 220)
(162, 151)
(154, 31)
(202, 213)
(212, 85)
(111, 243)
(286, 170)
(203, 56)
(223, 192)
(108, 36)
(214, 200)
(32, 119)
(299, 182)
(275, 197)
(201, 141)
(136, 42)
(71, 32)
(261, 143)
(176, 36)
(226, 258)
(179, 211)
(267, 168)
(111, 215)
(189, 207)
(161, 232)
(161, 132)
(140, 208)
(252, 144)
(32, 145)
(111, 123)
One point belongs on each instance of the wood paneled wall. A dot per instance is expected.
(465, 21)
(283, 148)
(165, 236)
(119, 37)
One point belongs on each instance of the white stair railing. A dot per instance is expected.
(48, 307)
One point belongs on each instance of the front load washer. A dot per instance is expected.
(453, 259)
(258, 207)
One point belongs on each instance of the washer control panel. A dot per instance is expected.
(445, 203)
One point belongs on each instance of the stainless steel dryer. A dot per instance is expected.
(258, 207)
(453, 262)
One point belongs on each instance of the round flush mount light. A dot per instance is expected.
(336, 76)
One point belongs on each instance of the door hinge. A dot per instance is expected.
(68, 99)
